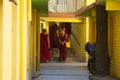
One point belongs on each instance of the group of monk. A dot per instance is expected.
(58, 40)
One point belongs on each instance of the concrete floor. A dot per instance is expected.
(62, 71)
(73, 69)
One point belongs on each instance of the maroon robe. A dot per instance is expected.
(44, 47)
(55, 41)
(53, 35)
(63, 48)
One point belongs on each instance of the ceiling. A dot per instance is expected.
(41, 6)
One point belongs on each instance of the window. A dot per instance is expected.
(61, 1)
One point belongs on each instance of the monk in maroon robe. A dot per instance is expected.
(55, 39)
(63, 49)
(53, 29)
(44, 46)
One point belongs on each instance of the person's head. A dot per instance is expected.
(44, 31)
(63, 30)
(57, 31)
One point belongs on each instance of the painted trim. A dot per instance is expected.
(49, 19)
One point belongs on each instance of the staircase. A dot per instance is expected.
(71, 57)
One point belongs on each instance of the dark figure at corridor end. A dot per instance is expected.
(90, 48)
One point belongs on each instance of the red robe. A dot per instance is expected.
(55, 41)
(63, 48)
(44, 47)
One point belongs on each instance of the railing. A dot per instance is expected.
(65, 6)
(75, 38)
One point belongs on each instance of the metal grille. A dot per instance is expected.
(65, 6)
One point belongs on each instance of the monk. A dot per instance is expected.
(44, 46)
(63, 49)
(55, 39)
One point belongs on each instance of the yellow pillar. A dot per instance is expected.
(87, 29)
(87, 33)
(29, 10)
(34, 40)
(32, 46)
(47, 27)
(29, 46)
(18, 42)
(110, 33)
(1, 18)
(23, 39)
(7, 41)
(14, 42)
(38, 41)
(92, 30)
(115, 57)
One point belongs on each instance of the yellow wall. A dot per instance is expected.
(110, 34)
(23, 43)
(36, 40)
(115, 58)
(84, 32)
(15, 23)
(7, 41)
(25, 27)
(79, 30)
(29, 28)
(31, 50)
(1, 17)
(14, 42)
(47, 27)
(29, 62)
(18, 43)
(92, 30)
(113, 5)
(25, 40)
(88, 2)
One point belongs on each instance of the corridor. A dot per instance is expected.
(63, 71)
(94, 21)
(72, 69)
